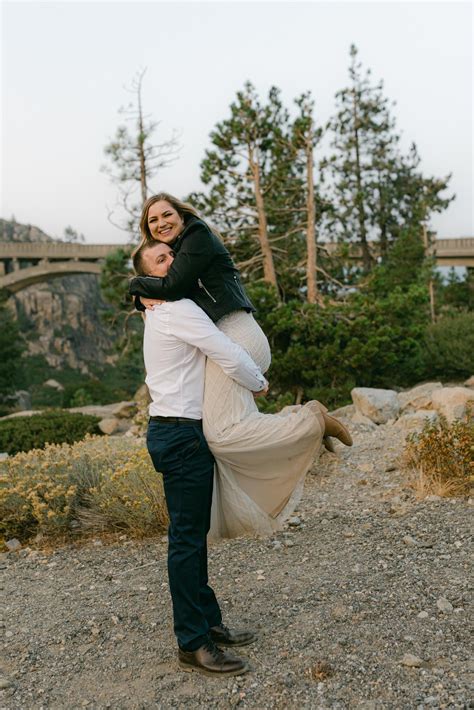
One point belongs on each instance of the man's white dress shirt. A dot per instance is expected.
(178, 337)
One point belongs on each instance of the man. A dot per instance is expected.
(178, 337)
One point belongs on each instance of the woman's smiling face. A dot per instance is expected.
(164, 222)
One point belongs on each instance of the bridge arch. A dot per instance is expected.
(21, 278)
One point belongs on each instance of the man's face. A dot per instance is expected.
(158, 259)
(164, 222)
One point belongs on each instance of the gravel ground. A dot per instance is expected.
(361, 603)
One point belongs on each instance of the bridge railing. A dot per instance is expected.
(55, 250)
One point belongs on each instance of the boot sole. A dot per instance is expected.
(212, 674)
(235, 645)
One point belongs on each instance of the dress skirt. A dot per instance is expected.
(261, 459)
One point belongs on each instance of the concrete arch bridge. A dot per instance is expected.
(26, 263)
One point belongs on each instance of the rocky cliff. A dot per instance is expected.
(61, 319)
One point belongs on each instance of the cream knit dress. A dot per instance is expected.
(261, 459)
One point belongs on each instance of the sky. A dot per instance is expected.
(66, 66)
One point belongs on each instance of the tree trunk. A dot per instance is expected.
(269, 274)
(311, 273)
(430, 282)
(366, 256)
(141, 140)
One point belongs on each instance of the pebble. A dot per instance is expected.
(409, 540)
(13, 545)
(444, 605)
(411, 661)
(4, 683)
(294, 522)
(423, 615)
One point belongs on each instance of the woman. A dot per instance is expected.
(261, 459)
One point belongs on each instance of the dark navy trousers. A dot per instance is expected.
(180, 452)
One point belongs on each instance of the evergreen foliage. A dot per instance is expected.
(449, 346)
(51, 427)
(12, 347)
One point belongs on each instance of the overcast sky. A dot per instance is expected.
(65, 65)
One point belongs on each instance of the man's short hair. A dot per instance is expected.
(137, 258)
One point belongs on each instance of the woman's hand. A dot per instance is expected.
(150, 302)
(262, 393)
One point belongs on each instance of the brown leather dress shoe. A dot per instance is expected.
(227, 637)
(211, 660)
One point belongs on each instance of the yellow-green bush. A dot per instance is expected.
(94, 485)
(441, 458)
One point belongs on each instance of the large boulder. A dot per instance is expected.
(378, 405)
(418, 397)
(415, 421)
(453, 402)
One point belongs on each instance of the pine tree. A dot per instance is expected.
(134, 158)
(364, 144)
(379, 193)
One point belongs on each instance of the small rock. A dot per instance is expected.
(409, 540)
(294, 522)
(276, 544)
(411, 661)
(109, 425)
(125, 410)
(54, 384)
(13, 545)
(444, 605)
(423, 615)
(289, 543)
(5, 683)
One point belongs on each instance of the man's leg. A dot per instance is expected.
(180, 453)
(209, 604)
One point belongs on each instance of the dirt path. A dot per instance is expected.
(338, 601)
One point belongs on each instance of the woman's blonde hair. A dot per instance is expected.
(184, 209)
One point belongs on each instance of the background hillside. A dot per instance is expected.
(63, 324)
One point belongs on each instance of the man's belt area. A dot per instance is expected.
(176, 420)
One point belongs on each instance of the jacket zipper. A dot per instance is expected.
(239, 287)
(201, 285)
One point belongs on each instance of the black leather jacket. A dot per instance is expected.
(203, 271)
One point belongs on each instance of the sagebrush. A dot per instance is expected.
(440, 458)
(98, 485)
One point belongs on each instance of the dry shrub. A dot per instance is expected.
(319, 671)
(440, 458)
(97, 484)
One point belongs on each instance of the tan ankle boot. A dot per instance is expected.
(333, 427)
